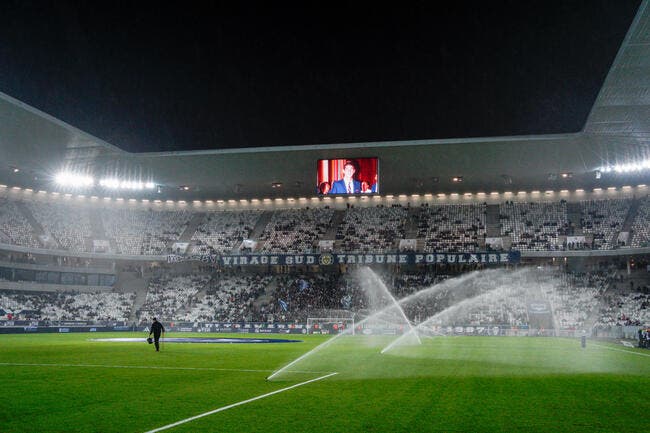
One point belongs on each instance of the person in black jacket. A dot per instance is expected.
(156, 329)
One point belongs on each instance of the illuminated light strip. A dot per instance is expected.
(626, 168)
(230, 406)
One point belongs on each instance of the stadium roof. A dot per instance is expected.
(34, 146)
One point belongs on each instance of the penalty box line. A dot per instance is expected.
(146, 367)
(230, 406)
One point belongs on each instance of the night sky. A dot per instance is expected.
(148, 77)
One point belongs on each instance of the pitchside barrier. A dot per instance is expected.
(316, 326)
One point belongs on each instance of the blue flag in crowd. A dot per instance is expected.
(283, 305)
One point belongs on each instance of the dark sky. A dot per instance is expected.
(149, 77)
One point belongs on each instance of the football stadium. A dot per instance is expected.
(472, 283)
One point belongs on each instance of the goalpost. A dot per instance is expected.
(330, 325)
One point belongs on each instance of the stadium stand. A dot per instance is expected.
(452, 227)
(534, 226)
(296, 230)
(166, 295)
(13, 225)
(529, 226)
(144, 232)
(372, 229)
(55, 306)
(221, 232)
(604, 219)
(641, 224)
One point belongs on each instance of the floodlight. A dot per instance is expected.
(74, 180)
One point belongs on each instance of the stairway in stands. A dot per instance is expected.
(133, 282)
(492, 221)
(411, 227)
(337, 219)
(625, 235)
(631, 215)
(574, 217)
(39, 231)
(260, 225)
(98, 232)
(194, 223)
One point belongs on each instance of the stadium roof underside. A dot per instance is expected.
(616, 132)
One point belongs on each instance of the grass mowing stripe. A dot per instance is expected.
(621, 350)
(230, 406)
(148, 367)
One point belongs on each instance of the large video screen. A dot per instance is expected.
(348, 176)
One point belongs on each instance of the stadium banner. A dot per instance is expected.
(245, 328)
(59, 329)
(327, 259)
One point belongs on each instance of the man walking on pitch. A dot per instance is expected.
(156, 329)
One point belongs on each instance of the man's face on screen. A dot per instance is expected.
(348, 170)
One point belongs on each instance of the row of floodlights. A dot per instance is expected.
(82, 181)
(626, 168)
(302, 199)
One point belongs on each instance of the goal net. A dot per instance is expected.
(330, 325)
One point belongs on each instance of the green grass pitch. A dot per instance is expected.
(67, 383)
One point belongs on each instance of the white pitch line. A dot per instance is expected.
(230, 406)
(621, 350)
